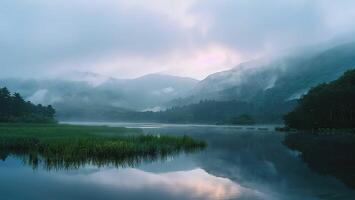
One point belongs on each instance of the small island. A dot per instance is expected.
(30, 131)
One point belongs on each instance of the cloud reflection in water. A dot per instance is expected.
(192, 184)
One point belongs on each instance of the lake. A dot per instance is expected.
(246, 162)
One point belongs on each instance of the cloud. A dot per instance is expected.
(36, 35)
(256, 27)
(197, 62)
(131, 38)
(38, 96)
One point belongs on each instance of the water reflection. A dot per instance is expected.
(237, 164)
(192, 184)
(259, 161)
(91, 182)
(60, 161)
(329, 154)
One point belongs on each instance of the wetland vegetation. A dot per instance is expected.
(71, 146)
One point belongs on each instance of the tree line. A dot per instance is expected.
(206, 111)
(13, 108)
(328, 105)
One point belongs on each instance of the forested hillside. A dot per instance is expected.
(13, 108)
(328, 105)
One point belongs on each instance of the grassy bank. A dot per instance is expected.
(71, 146)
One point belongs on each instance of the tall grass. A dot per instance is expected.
(70, 146)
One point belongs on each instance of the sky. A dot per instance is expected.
(130, 38)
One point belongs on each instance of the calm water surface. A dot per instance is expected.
(239, 163)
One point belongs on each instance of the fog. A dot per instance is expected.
(127, 39)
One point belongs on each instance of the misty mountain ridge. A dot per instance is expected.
(270, 86)
(79, 93)
(283, 79)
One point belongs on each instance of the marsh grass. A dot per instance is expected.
(70, 146)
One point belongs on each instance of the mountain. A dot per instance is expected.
(281, 79)
(151, 91)
(78, 96)
(269, 87)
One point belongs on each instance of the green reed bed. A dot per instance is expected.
(71, 146)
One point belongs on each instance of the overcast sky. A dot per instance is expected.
(130, 38)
